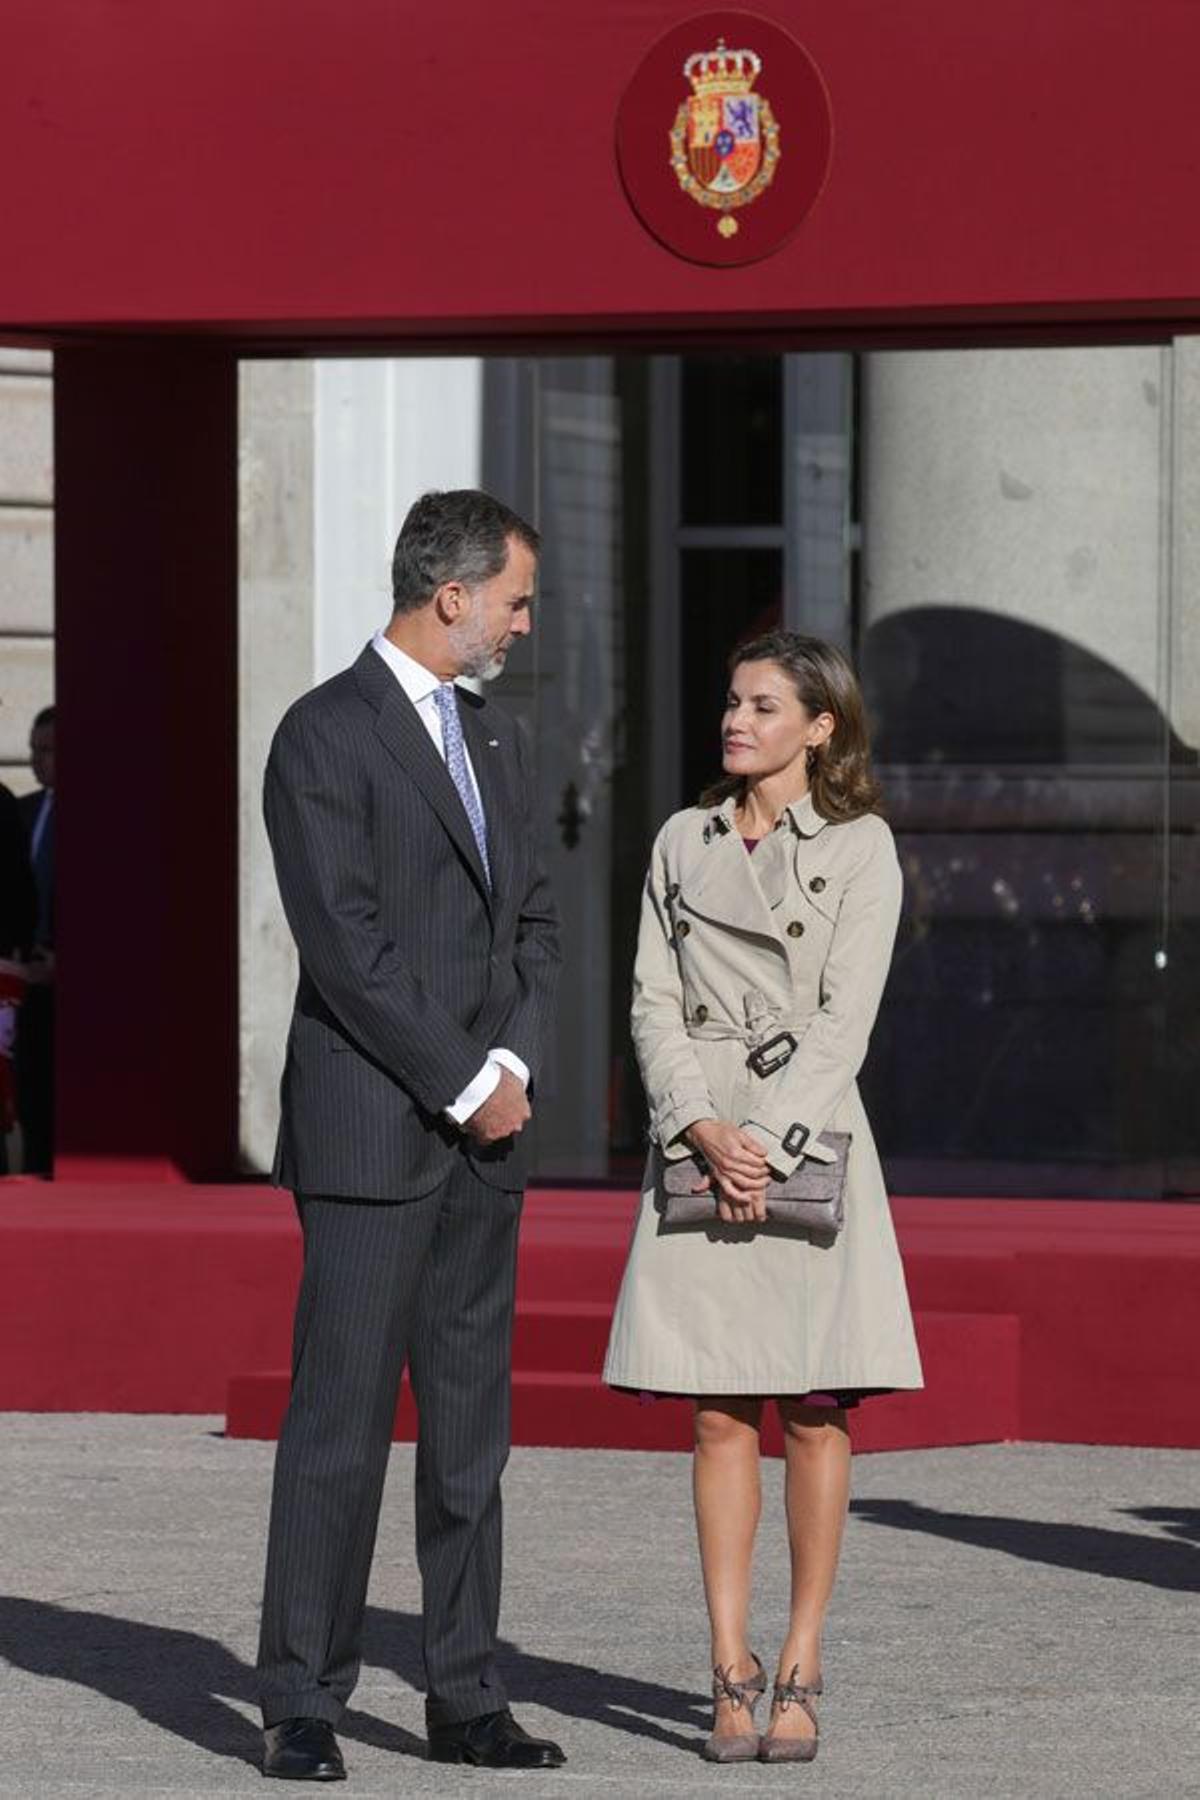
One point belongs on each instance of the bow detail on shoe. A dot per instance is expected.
(794, 1693)
(740, 1693)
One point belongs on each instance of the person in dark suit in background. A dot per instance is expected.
(35, 1030)
(18, 916)
(18, 897)
(397, 805)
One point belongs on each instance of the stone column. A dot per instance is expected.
(276, 632)
(1027, 486)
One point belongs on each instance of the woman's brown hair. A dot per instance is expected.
(840, 779)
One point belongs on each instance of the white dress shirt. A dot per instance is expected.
(421, 684)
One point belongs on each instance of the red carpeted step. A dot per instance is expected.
(171, 1291)
(947, 1280)
(972, 1366)
(971, 1372)
(561, 1334)
(573, 1245)
(255, 1404)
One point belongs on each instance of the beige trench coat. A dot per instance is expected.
(799, 937)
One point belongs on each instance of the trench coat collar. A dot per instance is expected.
(724, 884)
(805, 818)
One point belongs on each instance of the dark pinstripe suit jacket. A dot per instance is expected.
(411, 969)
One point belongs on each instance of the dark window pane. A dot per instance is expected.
(1180, 981)
(732, 440)
(727, 596)
(1025, 1043)
(1020, 1047)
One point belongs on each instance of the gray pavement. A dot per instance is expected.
(1011, 1620)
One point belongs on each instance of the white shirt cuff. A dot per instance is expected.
(475, 1093)
(509, 1059)
(486, 1083)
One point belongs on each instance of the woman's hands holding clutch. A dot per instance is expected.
(738, 1165)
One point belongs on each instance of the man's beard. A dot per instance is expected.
(479, 657)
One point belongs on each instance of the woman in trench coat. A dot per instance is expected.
(770, 908)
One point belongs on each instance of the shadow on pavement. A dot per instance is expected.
(174, 1679)
(1177, 1521)
(1163, 1562)
(574, 1690)
(183, 1682)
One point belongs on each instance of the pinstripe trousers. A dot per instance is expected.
(430, 1281)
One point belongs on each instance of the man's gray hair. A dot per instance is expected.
(461, 535)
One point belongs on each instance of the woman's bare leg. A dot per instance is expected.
(817, 1491)
(728, 1495)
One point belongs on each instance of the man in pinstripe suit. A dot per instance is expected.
(397, 805)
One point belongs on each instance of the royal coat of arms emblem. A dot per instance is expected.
(725, 140)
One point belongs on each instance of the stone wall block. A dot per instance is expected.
(26, 685)
(26, 440)
(26, 570)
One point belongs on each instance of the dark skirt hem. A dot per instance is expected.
(846, 1398)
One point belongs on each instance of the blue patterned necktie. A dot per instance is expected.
(456, 762)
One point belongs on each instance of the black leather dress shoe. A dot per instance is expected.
(303, 1750)
(493, 1741)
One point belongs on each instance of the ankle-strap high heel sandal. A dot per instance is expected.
(792, 1693)
(747, 1694)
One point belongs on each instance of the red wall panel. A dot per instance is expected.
(376, 167)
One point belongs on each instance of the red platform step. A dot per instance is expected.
(1067, 1321)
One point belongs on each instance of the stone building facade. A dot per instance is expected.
(26, 554)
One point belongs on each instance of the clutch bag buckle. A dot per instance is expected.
(774, 1054)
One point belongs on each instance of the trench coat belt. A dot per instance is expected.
(715, 1029)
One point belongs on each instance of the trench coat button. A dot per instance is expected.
(673, 891)
(817, 884)
(700, 1014)
(795, 929)
(682, 929)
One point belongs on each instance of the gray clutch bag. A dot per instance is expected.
(813, 1198)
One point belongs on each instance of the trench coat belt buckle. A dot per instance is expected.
(765, 1058)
